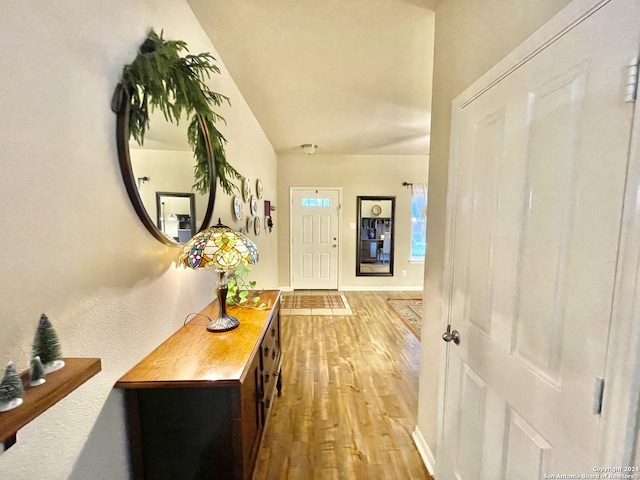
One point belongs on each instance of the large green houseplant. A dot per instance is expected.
(160, 78)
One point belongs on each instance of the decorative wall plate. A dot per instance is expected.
(246, 189)
(376, 210)
(254, 206)
(256, 226)
(250, 223)
(259, 188)
(237, 207)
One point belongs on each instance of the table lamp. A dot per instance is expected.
(223, 249)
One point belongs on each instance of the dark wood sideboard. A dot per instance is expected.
(197, 406)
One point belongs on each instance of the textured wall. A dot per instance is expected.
(470, 38)
(357, 175)
(71, 244)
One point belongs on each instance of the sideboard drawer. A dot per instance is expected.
(271, 361)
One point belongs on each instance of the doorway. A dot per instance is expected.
(315, 235)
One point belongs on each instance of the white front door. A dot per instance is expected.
(537, 180)
(314, 235)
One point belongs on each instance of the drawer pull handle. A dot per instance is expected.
(273, 332)
(266, 379)
(266, 351)
(273, 355)
(268, 402)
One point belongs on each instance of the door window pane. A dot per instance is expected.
(316, 202)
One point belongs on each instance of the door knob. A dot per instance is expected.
(449, 336)
(334, 245)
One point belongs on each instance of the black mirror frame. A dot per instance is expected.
(359, 272)
(122, 107)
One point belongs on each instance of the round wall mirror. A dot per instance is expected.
(159, 178)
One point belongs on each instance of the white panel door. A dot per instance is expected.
(314, 237)
(536, 188)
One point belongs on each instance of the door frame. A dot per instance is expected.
(618, 427)
(622, 378)
(338, 234)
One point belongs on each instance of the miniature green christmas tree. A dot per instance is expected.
(11, 389)
(36, 375)
(47, 346)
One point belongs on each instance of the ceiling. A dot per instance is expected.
(353, 76)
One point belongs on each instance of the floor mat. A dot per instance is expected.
(315, 304)
(410, 310)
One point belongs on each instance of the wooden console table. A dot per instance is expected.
(197, 406)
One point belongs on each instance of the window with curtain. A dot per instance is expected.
(418, 221)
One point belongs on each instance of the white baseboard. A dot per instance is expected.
(425, 452)
(365, 288)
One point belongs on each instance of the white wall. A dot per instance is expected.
(358, 175)
(385, 208)
(470, 38)
(71, 244)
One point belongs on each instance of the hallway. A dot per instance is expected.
(350, 397)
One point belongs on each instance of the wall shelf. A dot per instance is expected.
(38, 399)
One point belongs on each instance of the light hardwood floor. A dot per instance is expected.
(350, 397)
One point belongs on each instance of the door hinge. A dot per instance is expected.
(598, 396)
(631, 88)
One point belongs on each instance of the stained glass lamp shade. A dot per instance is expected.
(223, 249)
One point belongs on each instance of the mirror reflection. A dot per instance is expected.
(375, 236)
(175, 215)
(163, 167)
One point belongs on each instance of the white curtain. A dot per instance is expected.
(420, 191)
(418, 221)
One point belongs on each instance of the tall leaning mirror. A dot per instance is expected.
(376, 218)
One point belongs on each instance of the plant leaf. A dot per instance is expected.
(160, 78)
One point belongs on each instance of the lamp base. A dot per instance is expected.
(223, 324)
